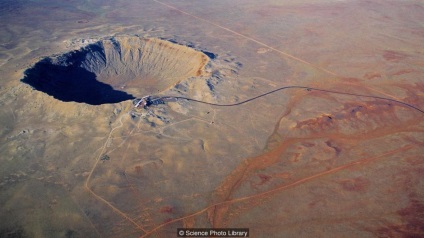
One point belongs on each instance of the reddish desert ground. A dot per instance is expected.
(290, 118)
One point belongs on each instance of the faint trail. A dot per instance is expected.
(129, 144)
(13, 114)
(85, 215)
(250, 38)
(372, 89)
(100, 198)
(102, 151)
(103, 148)
(287, 186)
(301, 181)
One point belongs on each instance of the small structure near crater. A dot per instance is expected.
(142, 102)
(147, 101)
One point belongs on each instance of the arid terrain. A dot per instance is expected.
(290, 118)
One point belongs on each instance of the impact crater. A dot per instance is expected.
(116, 69)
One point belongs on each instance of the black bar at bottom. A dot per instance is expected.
(212, 232)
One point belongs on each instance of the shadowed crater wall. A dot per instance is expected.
(113, 70)
(72, 83)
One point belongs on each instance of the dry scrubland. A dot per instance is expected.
(77, 160)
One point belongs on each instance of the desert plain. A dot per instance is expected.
(339, 153)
